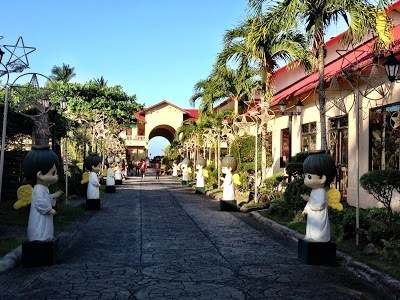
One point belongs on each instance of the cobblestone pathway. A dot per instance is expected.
(155, 239)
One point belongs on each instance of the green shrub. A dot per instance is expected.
(243, 150)
(74, 181)
(294, 168)
(278, 207)
(391, 250)
(246, 182)
(347, 220)
(292, 196)
(376, 234)
(212, 176)
(270, 187)
(381, 184)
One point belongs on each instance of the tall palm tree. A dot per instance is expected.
(316, 16)
(208, 92)
(63, 74)
(101, 81)
(223, 83)
(247, 44)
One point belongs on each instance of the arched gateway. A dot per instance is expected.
(161, 119)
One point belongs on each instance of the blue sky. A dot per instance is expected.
(155, 49)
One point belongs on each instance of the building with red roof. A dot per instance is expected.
(161, 119)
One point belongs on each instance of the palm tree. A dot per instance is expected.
(63, 74)
(101, 81)
(316, 16)
(247, 45)
(208, 91)
(223, 83)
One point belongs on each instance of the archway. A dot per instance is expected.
(157, 145)
(160, 137)
(163, 130)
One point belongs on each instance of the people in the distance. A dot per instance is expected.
(158, 169)
(40, 168)
(143, 167)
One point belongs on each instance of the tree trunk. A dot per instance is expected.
(263, 153)
(321, 88)
(41, 132)
(267, 87)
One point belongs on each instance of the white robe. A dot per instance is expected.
(118, 173)
(228, 188)
(40, 224)
(174, 170)
(93, 186)
(110, 180)
(318, 227)
(185, 173)
(199, 178)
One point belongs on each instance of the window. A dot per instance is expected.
(339, 148)
(384, 137)
(268, 142)
(308, 136)
(285, 147)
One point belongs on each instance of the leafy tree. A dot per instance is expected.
(315, 17)
(90, 99)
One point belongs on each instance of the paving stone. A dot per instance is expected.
(154, 239)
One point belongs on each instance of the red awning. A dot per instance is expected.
(353, 59)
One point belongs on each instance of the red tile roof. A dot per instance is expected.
(364, 54)
(189, 114)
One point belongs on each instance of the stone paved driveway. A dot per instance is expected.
(155, 239)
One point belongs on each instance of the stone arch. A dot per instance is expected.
(163, 130)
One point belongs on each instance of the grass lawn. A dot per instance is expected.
(347, 246)
(15, 222)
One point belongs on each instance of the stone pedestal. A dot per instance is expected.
(185, 183)
(314, 253)
(118, 181)
(228, 205)
(200, 190)
(39, 253)
(110, 188)
(92, 204)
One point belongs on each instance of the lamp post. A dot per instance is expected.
(258, 117)
(392, 67)
(223, 133)
(299, 110)
(16, 62)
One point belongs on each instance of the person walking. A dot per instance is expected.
(158, 169)
(138, 163)
(143, 167)
(123, 169)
